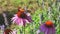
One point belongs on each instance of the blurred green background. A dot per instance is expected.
(37, 7)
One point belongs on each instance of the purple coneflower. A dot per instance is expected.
(7, 31)
(47, 28)
(21, 18)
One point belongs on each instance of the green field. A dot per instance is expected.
(37, 7)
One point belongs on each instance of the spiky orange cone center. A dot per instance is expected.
(49, 23)
(20, 12)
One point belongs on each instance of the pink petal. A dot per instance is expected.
(46, 32)
(27, 21)
(18, 21)
(21, 22)
(28, 14)
(14, 20)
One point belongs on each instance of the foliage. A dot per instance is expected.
(34, 26)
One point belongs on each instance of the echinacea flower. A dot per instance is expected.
(21, 18)
(7, 31)
(47, 28)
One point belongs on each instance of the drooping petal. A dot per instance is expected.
(29, 18)
(28, 14)
(24, 22)
(46, 31)
(18, 21)
(43, 28)
(21, 22)
(27, 21)
(15, 17)
(14, 32)
(53, 30)
(14, 21)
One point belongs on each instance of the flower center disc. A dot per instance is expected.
(49, 24)
(23, 15)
